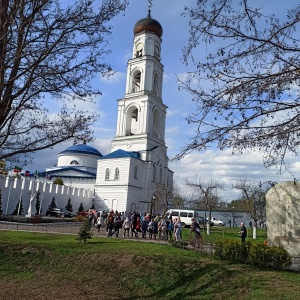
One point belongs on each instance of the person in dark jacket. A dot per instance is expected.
(243, 232)
(195, 228)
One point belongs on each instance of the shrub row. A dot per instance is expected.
(253, 253)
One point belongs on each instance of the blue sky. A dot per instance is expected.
(219, 165)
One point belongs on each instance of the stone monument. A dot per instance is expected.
(283, 216)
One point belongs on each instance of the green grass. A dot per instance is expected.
(51, 266)
(217, 232)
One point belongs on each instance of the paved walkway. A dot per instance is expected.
(68, 228)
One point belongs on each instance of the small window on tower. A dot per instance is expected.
(135, 172)
(137, 82)
(156, 52)
(139, 50)
(74, 163)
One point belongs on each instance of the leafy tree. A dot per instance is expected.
(246, 89)
(52, 204)
(50, 51)
(85, 231)
(37, 203)
(207, 194)
(58, 181)
(16, 210)
(69, 206)
(80, 208)
(1, 210)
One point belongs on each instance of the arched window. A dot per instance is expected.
(155, 84)
(107, 174)
(136, 82)
(135, 172)
(139, 50)
(160, 175)
(132, 121)
(74, 163)
(154, 174)
(117, 173)
(156, 124)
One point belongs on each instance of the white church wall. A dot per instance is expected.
(123, 164)
(113, 197)
(83, 160)
(26, 188)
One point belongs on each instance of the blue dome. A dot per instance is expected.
(82, 149)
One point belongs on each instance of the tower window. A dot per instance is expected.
(160, 175)
(107, 174)
(74, 163)
(136, 82)
(155, 84)
(132, 121)
(139, 50)
(154, 174)
(117, 173)
(135, 172)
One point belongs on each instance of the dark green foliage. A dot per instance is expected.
(52, 204)
(1, 211)
(15, 212)
(85, 232)
(69, 206)
(38, 203)
(58, 181)
(80, 208)
(253, 253)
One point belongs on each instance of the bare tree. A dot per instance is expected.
(254, 198)
(50, 50)
(207, 191)
(165, 196)
(247, 86)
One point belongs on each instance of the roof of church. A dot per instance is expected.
(148, 24)
(82, 149)
(121, 154)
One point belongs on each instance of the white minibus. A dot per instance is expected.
(185, 215)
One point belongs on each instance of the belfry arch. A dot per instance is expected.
(136, 81)
(132, 119)
(156, 125)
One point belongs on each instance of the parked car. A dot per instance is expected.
(203, 223)
(216, 222)
(59, 212)
(67, 214)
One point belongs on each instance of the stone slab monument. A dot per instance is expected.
(283, 216)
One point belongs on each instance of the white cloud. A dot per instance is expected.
(226, 168)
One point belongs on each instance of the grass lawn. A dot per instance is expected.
(51, 266)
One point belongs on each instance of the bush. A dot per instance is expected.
(253, 253)
(232, 250)
(79, 218)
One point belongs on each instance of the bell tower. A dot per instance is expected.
(141, 113)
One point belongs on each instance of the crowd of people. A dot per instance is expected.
(135, 225)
